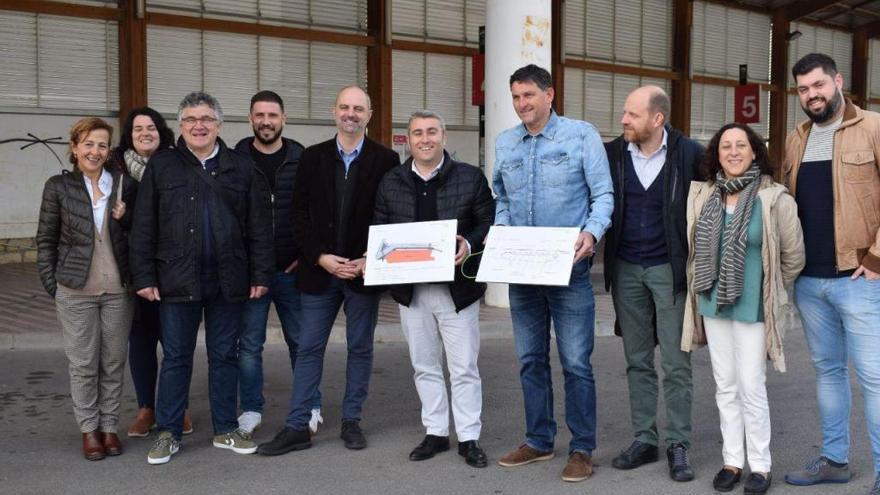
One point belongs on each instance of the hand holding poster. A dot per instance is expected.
(406, 253)
(528, 255)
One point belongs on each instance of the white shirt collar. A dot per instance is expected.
(434, 171)
(634, 148)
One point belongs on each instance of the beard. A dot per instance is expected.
(830, 110)
(634, 135)
(271, 139)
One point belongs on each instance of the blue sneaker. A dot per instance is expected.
(876, 489)
(819, 471)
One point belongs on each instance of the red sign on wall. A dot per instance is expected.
(477, 69)
(747, 104)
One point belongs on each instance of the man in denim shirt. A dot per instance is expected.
(553, 172)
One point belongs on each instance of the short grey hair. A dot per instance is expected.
(197, 98)
(426, 114)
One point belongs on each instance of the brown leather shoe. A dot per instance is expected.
(112, 445)
(145, 420)
(579, 467)
(93, 448)
(187, 423)
(524, 455)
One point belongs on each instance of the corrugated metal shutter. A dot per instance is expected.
(349, 15)
(18, 50)
(600, 26)
(471, 112)
(74, 68)
(723, 38)
(656, 33)
(598, 94)
(874, 69)
(340, 14)
(446, 20)
(174, 66)
(331, 68)
(874, 107)
(574, 28)
(444, 86)
(408, 17)
(834, 43)
(474, 16)
(574, 93)
(408, 84)
(285, 10)
(284, 68)
(231, 70)
(795, 112)
(627, 31)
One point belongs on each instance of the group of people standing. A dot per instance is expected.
(703, 246)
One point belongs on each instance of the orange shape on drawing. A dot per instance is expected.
(402, 255)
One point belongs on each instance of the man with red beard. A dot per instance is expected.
(276, 159)
(646, 250)
(333, 201)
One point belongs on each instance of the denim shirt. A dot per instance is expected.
(557, 178)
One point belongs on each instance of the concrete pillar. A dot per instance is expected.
(517, 33)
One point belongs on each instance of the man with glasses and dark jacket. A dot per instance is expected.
(201, 244)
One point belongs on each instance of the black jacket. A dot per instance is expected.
(167, 232)
(683, 157)
(286, 245)
(314, 208)
(463, 194)
(66, 231)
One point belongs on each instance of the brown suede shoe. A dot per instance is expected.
(579, 467)
(187, 423)
(145, 420)
(112, 445)
(93, 448)
(524, 455)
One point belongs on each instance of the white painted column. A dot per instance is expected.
(517, 34)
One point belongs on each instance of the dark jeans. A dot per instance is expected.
(572, 310)
(318, 313)
(286, 297)
(180, 325)
(142, 344)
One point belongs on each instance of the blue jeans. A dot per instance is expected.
(286, 297)
(318, 314)
(572, 310)
(180, 325)
(841, 319)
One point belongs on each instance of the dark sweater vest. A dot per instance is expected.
(426, 198)
(642, 240)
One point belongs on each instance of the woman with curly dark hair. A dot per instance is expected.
(746, 249)
(144, 132)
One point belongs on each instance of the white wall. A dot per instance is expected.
(23, 172)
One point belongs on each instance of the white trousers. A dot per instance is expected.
(739, 365)
(430, 325)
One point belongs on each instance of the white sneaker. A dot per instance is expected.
(316, 420)
(249, 421)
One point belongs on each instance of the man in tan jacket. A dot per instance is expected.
(831, 166)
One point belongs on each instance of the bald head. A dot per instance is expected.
(352, 111)
(645, 112)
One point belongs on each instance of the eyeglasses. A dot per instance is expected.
(191, 121)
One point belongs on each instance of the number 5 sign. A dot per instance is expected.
(747, 107)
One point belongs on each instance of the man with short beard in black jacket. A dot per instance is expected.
(652, 166)
(432, 186)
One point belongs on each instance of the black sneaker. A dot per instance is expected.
(352, 435)
(679, 467)
(473, 454)
(285, 441)
(635, 455)
(430, 446)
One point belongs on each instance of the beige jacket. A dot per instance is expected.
(855, 181)
(782, 254)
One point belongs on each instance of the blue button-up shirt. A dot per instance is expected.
(347, 158)
(557, 178)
